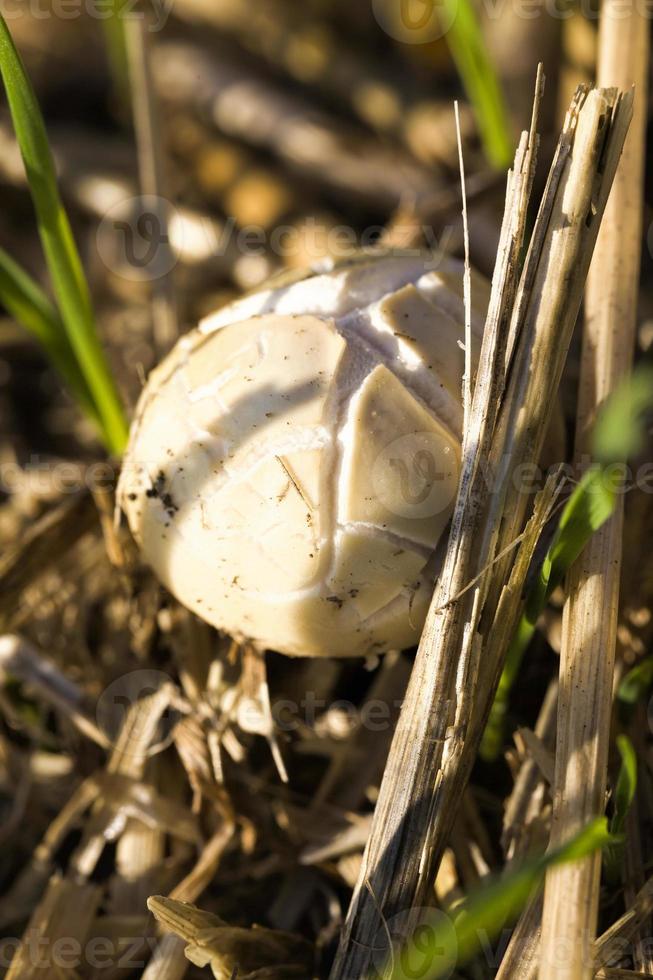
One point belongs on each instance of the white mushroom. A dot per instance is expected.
(294, 461)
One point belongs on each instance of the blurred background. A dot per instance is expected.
(265, 135)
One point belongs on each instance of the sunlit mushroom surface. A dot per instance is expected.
(294, 461)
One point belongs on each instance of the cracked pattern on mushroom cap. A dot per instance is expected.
(294, 461)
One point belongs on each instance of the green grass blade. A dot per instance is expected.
(469, 52)
(589, 506)
(68, 280)
(114, 38)
(24, 299)
(619, 433)
(626, 784)
(624, 794)
(587, 509)
(435, 949)
(637, 682)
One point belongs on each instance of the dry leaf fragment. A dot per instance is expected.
(232, 950)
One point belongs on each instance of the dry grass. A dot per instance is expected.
(527, 334)
(590, 622)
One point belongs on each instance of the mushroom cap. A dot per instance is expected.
(293, 462)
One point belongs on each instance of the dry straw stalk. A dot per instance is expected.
(528, 330)
(590, 615)
(151, 167)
